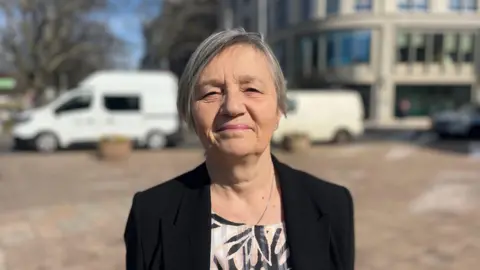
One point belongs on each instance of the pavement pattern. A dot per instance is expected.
(417, 208)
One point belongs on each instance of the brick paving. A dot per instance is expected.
(67, 211)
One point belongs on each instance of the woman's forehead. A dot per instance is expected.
(242, 63)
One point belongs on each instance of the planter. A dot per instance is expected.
(115, 148)
(296, 143)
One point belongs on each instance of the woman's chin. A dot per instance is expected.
(235, 149)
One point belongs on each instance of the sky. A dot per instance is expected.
(126, 24)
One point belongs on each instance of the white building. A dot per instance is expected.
(425, 51)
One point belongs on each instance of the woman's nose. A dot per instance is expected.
(233, 104)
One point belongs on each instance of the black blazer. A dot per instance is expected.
(169, 225)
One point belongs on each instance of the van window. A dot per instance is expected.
(291, 105)
(82, 102)
(122, 103)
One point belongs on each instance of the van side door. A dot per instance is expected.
(75, 119)
(122, 115)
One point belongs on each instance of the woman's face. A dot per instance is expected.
(235, 104)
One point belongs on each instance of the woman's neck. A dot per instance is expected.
(241, 177)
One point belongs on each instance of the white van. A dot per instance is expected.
(140, 105)
(323, 115)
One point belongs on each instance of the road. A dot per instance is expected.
(417, 205)
(414, 137)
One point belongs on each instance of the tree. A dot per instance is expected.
(44, 38)
(177, 31)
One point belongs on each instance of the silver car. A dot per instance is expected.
(464, 122)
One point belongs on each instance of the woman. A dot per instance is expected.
(241, 208)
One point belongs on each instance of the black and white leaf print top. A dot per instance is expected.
(236, 246)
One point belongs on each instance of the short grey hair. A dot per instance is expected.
(211, 47)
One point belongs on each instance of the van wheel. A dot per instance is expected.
(46, 142)
(156, 140)
(342, 136)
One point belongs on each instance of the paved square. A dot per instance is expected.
(417, 206)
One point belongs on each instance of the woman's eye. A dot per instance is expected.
(211, 94)
(252, 90)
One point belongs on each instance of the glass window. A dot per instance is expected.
(449, 47)
(361, 48)
(419, 44)
(77, 103)
(439, 48)
(331, 52)
(122, 103)
(281, 13)
(403, 48)
(280, 50)
(467, 41)
(291, 105)
(333, 6)
(463, 5)
(348, 47)
(314, 47)
(247, 23)
(363, 5)
(427, 99)
(413, 5)
(306, 10)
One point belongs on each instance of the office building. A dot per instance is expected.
(424, 51)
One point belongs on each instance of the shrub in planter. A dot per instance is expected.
(296, 142)
(114, 147)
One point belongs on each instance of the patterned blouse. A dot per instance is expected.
(238, 246)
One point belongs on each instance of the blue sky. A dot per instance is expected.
(126, 23)
(128, 27)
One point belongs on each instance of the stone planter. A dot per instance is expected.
(295, 143)
(114, 148)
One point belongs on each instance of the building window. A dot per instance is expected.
(348, 47)
(413, 5)
(280, 51)
(307, 9)
(419, 47)
(281, 14)
(361, 47)
(428, 99)
(363, 5)
(467, 44)
(463, 5)
(247, 23)
(444, 48)
(333, 7)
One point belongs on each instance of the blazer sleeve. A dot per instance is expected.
(134, 252)
(348, 245)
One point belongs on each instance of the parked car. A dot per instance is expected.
(463, 122)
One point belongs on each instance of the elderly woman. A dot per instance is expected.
(241, 208)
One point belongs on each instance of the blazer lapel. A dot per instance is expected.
(186, 234)
(200, 222)
(307, 228)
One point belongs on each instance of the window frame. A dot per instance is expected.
(127, 96)
(361, 7)
(58, 109)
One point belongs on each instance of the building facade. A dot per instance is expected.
(423, 51)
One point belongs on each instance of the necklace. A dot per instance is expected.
(268, 201)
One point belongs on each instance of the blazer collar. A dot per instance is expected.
(188, 230)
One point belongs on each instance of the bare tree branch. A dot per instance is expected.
(41, 36)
